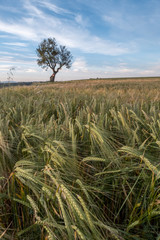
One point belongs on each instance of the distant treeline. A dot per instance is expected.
(15, 84)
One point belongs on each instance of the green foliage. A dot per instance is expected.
(77, 164)
(53, 56)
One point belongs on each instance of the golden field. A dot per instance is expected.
(80, 160)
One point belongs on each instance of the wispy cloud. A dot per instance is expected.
(31, 70)
(19, 44)
(9, 9)
(5, 53)
(52, 7)
(4, 67)
(66, 31)
(103, 34)
(79, 65)
(123, 70)
(32, 9)
(7, 59)
(18, 29)
(15, 61)
(118, 20)
(4, 36)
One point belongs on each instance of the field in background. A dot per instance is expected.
(80, 160)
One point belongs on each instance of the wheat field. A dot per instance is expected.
(80, 160)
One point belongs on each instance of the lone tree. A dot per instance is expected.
(53, 56)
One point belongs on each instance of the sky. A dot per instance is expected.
(107, 38)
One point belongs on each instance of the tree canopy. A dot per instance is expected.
(53, 56)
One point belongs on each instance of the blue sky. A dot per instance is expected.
(107, 38)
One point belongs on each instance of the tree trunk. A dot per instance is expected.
(52, 77)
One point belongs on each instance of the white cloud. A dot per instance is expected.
(32, 10)
(53, 7)
(120, 20)
(8, 55)
(28, 20)
(148, 72)
(4, 59)
(152, 70)
(80, 20)
(31, 70)
(127, 70)
(74, 34)
(18, 29)
(17, 62)
(9, 9)
(19, 44)
(4, 67)
(5, 53)
(109, 19)
(4, 36)
(79, 65)
(120, 69)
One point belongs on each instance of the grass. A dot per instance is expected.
(80, 160)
